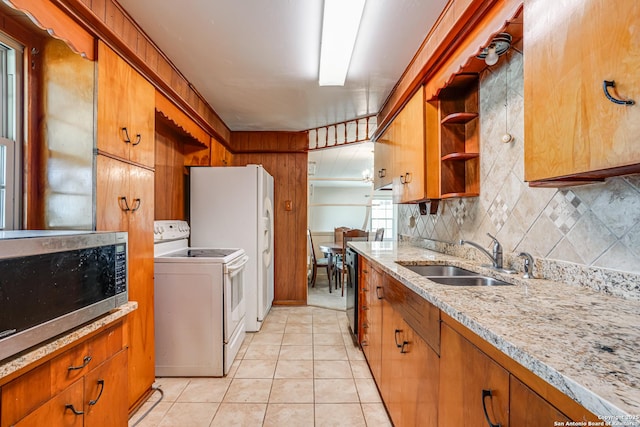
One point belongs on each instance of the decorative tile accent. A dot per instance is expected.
(459, 211)
(564, 210)
(498, 212)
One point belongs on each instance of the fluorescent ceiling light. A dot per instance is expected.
(340, 25)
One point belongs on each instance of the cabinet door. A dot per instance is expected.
(394, 333)
(141, 96)
(411, 142)
(570, 125)
(375, 323)
(528, 409)
(57, 412)
(105, 393)
(141, 321)
(125, 101)
(363, 304)
(112, 184)
(465, 375)
(383, 161)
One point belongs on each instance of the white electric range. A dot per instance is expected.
(199, 304)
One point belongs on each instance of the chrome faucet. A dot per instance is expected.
(528, 265)
(496, 258)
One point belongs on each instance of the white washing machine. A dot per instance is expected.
(199, 304)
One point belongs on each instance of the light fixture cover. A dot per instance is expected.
(340, 24)
(498, 46)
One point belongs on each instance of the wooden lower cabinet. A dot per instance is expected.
(409, 373)
(528, 409)
(371, 319)
(466, 377)
(86, 385)
(125, 202)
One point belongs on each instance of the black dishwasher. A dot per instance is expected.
(352, 291)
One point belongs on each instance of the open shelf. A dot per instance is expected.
(458, 131)
(458, 118)
(459, 156)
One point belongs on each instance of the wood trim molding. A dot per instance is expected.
(107, 21)
(170, 111)
(462, 29)
(57, 24)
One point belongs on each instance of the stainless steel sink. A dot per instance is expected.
(469, 281)
(454, 276)
(439, 270)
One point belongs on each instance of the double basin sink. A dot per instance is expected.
(454, 276)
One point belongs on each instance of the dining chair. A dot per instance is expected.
(317, 262)
(338, 232)
(379, 235)
(349, 235)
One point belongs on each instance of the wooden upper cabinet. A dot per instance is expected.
(572, 131)
(399, 153)
(126, 110)
(383, 159)
(409, 182)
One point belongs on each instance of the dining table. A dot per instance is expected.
(332, 250)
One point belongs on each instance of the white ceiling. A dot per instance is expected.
(256, 61)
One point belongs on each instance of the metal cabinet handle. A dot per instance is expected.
(85, 362)
(395, 337)
(382, 173)
(485, 394)
(72, 409)
(612, 84)
(406, 178)
(364, 343)
(403, 347)
(377, 293)
(101, 384)
(122, 200)
(136, 204)
(127, 140)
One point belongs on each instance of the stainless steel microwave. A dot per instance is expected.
(52, 281)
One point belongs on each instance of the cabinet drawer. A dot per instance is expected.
(421, 315)
(55, 411)
(77, 361)
(24, 394)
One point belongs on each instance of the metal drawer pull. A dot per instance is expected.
(126, 204)
(485, 394)
(403, 347)
(136, 204)
(101, 384)
(127, 140)
(85, 362)
(70, 406)
(382, 173)
(612, 84)
(377, 293)
(395, 337)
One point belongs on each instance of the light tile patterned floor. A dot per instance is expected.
(301, 369)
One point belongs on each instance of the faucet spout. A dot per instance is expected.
(483, 250)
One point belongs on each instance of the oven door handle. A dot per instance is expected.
(233, 269)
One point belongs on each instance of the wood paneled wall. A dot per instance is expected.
(284, 156)
(170, 176)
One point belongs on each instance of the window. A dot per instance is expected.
(10, 99)
(382, 216)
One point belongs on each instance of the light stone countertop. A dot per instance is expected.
(36, 353)
(584, 343)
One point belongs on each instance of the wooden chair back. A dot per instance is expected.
(338, 232)
(379, 235)
(353, 234)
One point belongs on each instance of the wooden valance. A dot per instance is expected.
(169, 110)
(58, 24)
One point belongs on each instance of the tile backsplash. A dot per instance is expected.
(595, 226)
